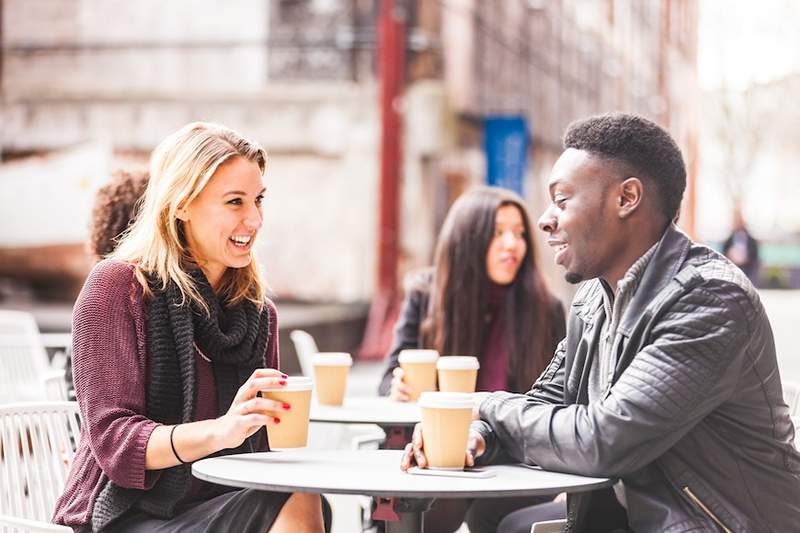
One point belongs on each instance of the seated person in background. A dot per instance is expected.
(114, 210)
(742, 248)
(484, 296)
(667, 378)
(173, 337)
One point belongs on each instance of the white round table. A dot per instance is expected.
(377, 473)
(396, 419)
(368, 410)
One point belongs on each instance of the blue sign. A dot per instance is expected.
(505, 141)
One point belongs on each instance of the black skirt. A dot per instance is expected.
(245, 510)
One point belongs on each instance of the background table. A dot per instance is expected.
(396, 419)
(377, 473)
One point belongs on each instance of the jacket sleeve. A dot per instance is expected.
(110, 375)
(547, 390)
(406, 334)
(690, 366)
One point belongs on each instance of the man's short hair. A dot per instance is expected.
(643, 147)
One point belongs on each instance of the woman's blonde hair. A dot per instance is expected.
(180, 167)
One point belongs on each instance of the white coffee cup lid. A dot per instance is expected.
(294, 383)
(332, 359)
(418, 356)
(446, 400)
(458, 362)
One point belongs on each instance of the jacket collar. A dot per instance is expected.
(668, 257)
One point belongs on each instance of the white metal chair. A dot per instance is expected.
(37, 447)
(25, 372)
(306, 347)
(791, 395)
(550, 526)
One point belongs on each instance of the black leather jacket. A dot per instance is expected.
(695, 424)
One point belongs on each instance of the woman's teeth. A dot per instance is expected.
(242, 240)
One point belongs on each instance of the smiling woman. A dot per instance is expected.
(221, 223)
(173, 339)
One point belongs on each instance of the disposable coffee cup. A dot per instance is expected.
(446, 417)
(457, 373)
(292, 431)
(330, 376)
(419, 367)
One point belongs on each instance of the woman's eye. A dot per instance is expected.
(560, 202)
(235, 201)
(259, 199)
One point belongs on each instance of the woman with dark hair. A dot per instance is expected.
(114, 210)
(486, 297)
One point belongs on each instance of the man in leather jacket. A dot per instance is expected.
(667, 379)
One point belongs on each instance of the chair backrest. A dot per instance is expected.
(306, 347)
(37, 446)
(23, 359)
(791, 395)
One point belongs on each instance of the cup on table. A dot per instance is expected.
(457, 373)
(446, 417)
(330, 376)
(419, 367)
(292, 431)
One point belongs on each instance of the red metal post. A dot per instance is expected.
(391, 66)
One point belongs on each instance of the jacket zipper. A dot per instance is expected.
(705, 509)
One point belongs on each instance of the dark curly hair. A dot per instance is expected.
(641, 147)
(115, 207)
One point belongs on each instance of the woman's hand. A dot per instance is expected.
(400, 392)
(414, 453)
(248, 411)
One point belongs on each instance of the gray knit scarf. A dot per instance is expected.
(233, 337)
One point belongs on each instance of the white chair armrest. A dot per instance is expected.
(550, 526)
(56, 340)
(31, 526)
(368, 440)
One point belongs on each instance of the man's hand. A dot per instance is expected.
(414, 453)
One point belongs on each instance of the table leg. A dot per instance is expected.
(410, 522)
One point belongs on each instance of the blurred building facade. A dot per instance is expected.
(300, 76)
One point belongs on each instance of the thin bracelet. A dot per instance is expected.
(172, 443)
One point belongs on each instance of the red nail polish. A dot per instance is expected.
(277, 420)
(284, 376)
(286, 406)
(282, 382)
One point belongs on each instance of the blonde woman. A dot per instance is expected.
(173, 337)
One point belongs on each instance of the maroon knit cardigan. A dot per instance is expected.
(110, 372)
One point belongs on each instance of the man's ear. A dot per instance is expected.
(630, 194)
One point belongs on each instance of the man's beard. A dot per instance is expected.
(573, 277)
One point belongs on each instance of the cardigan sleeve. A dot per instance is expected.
(109, 368)
(407, 328)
